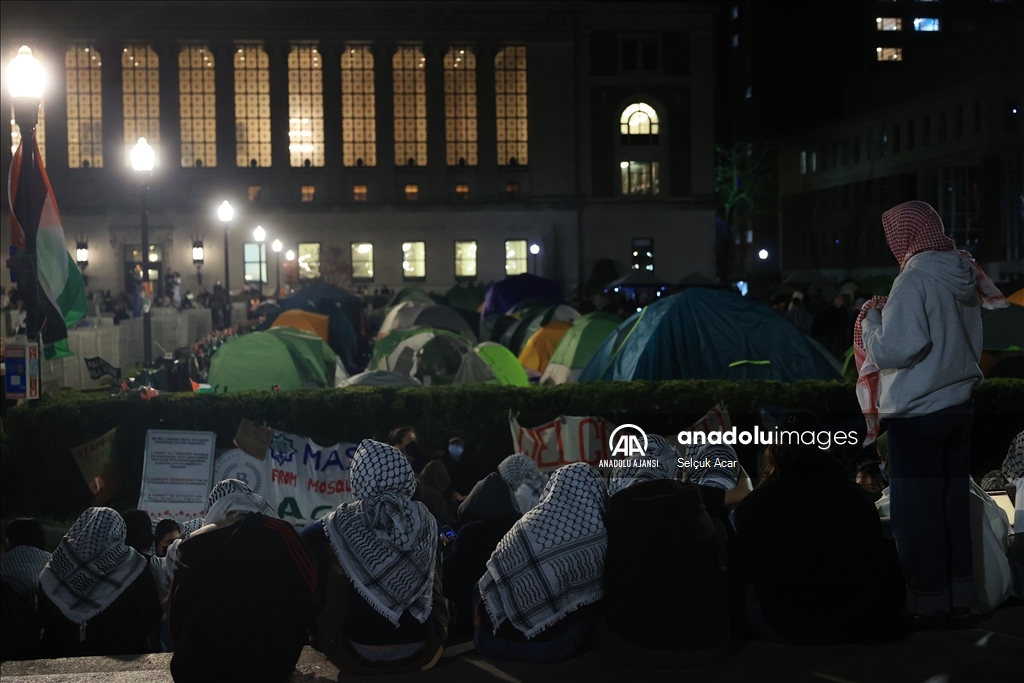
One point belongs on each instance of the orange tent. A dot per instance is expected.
(1017, 297)
(304, 320)
(539, 348)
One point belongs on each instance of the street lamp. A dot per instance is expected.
(225, 213)
(198, 257)
(534, 251)
(259, 234)
(277, 246)
(143, 158)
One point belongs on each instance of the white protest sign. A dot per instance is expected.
(563, 441)
(177, 473)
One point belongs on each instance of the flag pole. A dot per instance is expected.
(26, 115)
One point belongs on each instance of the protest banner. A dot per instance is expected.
(177, 473)
(98, 367)
(254, 439)
(563, 441)
(95, 460)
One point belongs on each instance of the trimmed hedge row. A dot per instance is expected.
(40, 435)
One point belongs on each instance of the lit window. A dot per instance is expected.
(462, 191)
(40, 133)
(84, 88)
(926, 24)
(309, 260)
(305, 107)
(735, 40)
(460, 107)
(308, 192)
(511, 106)
(254, 255)
(410, 90)
(358, 107)
(889, 54)
(803, 163)
(359, 193)
(515, 257)
(465, 259)
(197, 107)
(255, 193)
(643, 254)
(414, 260)
(749, 92)
(638, 124)
(814, 162)
(412, 192)
(140, 90)
(639, 177)
(889, 24)
(362, 261)
(252, 106)
(512, 190)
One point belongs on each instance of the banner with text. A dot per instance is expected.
(563, 441)
(177, 473)
(95, 460)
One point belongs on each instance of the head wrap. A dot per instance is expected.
(490, 499)
(91, 567)
(232, 495)
(386, 542)
(521, 469)
(1013, 464)
(21, 565)
(714, 473)
(660, 452)
(552, 560)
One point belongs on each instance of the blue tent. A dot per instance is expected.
(503, 295)
(707, 334)
(345, 311)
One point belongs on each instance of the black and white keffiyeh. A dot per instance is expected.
(659, 450)
(232, 495)
(716, 466)
(521, 469)
(552, 560)
(385, 541)
(91, 567)
(192, 525)
(21, 566)
(1013, 464)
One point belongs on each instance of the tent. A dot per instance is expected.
(414, 294)
(493, 327)
(380, 378)
(532, 319)
(344, 310)
(284, 357)
(311, 355)
(578, 345)
(491, 363)
(542, 344)
(430, 355)
(409, 315)
(303, 320)
(503, 295)
(1017, 297)
(707, 334)
(1003, 329)
(465, 298)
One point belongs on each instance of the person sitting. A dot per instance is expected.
(673, 628)
(464, 467)
(243, 593)
(95, 597)
(542, 591)
(139, 531)
(377, 557)
(25, 555)
(433, 487)
(405, 439)
(167, 531)
(521, 474)
(486, 515)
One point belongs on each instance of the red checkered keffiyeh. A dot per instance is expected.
(910, 228)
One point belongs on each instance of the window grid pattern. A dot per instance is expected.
(515, 257)
(465, 259)
(362, 261)
(197, 107)
(254, 255)
(511, 106)
(460, 107)
(83, 86)
(252, 106)
(140, 93)
(889, 54)
(358, 107)
(305, 107)
(414, 260)
(410, 102)
(639, 124)
(960, 204)
(641, 177)
(40, 132)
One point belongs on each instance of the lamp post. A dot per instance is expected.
(26, 78)
(143, 159)
(534, 251)
(259, 234)
(225, 212)
(277, 246)
(198, 258)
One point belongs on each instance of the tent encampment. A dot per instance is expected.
(707, 334)
(430, 355)
(414, 294)
(532, 319)
(541, 345)
(304, 320)
(503, 295)
(577, 347)
(380, 378)
(284, 357)
(409, 315)
(465, 297)
(491, 363)
(345, 311)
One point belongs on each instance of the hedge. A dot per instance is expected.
(41, 434)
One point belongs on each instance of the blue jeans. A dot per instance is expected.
(929, 460)
(538, 652)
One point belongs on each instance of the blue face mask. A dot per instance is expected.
(455, 450)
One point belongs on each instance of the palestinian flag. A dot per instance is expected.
(61, 289)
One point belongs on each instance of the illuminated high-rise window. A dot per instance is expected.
(460, 106)
(197, 106)
(510, 103)
(84, 88)
(252, 106)
(414, 260)
(362, 261)
(40, 132)
(889, 54)
(358, 107)
(515, 257)
(140, 95)
(889, 24)
(305, 107)
(410, 92)
(465, 260)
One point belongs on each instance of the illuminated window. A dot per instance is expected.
(410, 91)
(84, 88)
(40, 132)
(358, 107)
(643, 254)
(254, 256)
(510, 102)
(308, 192)
(414, 260)
(512, 190)
(460, 106)
(926, 25)
(359, 193)
(638, 124)
(362, 261)
(309, 260)
(803, 163)
(252, 106)
(889, 24)
(889, 54)
(305, 107)
(465, 260)
(515, 257)
(255, 193)
(140, 91)
(197, 106)
(412, 192)
(639, 177)
(462, 191)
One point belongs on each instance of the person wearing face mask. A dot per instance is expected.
(404, 438)
(462, 465)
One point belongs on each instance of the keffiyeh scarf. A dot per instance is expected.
(385, 541)
(21, 565)
(521, 469)
(91, 567)
(1013, 465)
(910, 228)
(712, 470)
(232, 495)
(664, 455)
(552, 560)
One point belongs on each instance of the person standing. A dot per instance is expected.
(917, 356)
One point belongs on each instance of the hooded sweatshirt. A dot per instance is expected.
(927, 339)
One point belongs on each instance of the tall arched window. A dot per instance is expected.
(639, 124)
(640, 151)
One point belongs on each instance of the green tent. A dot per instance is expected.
(531, 319)
(315, 360)
(578, 345)
(263, 360)
(491, 363)
(466, 298)
(414, 294)
(430, 355)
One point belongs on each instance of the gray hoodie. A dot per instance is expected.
(927, 339)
